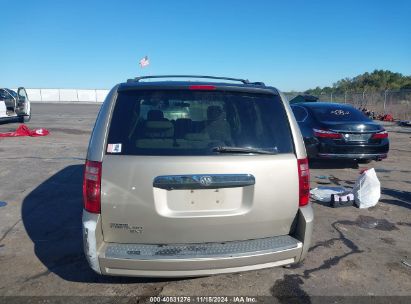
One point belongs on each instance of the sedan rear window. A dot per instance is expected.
(183, 122)
(337, 113)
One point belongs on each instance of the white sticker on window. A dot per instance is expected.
(114, 148)
(340, 112)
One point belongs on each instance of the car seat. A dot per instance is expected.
(217, 126)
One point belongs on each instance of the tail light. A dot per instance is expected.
(202, 87)
(92, 186)
(304, 181)
(380, 135)
(326, 134)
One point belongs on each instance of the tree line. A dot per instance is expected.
(378, 80)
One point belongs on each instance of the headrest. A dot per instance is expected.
(155, 115)
(214, 112)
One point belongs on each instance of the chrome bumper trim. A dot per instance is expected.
(203, 181)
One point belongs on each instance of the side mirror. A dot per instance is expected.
(22, 99)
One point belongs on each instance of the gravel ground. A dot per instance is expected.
(354, 252)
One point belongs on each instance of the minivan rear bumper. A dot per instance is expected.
(197, 267)
(181, 260)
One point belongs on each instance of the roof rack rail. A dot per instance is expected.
(244, 81)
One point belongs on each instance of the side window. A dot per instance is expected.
(300, 113)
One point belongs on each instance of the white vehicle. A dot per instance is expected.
(14, 106)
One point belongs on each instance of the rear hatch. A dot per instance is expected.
(189, 166)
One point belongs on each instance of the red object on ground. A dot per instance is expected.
(23, 130)
(388, 117)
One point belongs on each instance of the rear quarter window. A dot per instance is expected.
(183, 122)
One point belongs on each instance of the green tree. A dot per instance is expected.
(378, 80)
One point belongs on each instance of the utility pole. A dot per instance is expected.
(385, 99)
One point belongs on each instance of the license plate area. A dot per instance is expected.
(203, 202)
(350, 137)
(204, 199)
(203, 194)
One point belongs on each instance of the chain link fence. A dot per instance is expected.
(397, 103)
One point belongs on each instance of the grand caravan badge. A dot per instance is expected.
(130, 228)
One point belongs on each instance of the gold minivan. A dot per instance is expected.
(191, 178)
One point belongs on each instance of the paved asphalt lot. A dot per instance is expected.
(354, 252)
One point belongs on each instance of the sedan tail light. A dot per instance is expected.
(304, 181)
(92, 186)
(380, 135)
(326, 134)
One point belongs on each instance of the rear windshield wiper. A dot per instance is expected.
(244, 150)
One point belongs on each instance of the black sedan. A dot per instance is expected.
(340, 131)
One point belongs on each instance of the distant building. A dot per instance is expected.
(303, 98)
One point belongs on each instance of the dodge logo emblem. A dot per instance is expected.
(206, 180)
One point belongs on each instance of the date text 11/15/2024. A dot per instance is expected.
(203, 299)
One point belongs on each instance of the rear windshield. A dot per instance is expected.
(338, 114)
(183, 122)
